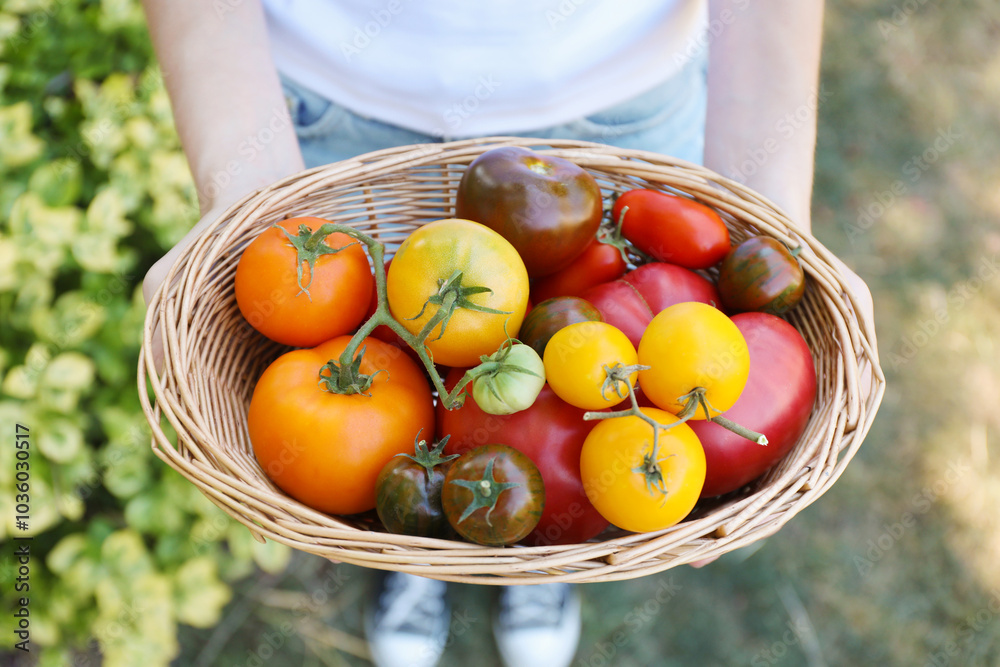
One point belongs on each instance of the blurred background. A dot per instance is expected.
(896, 565)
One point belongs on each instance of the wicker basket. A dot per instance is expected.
(212, 358)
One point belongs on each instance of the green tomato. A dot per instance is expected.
(508, 381)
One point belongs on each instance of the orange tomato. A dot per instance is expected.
(269, 295)
(326, 449)
(575, 358)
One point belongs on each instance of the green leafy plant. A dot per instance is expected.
(93, 189)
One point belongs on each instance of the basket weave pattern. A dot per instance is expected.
(212, 359)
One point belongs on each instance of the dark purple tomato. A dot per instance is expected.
(493, 495)
(547, 207)
(408, 492)
(552, 315)
(761, 275)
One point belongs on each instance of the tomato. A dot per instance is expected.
(761, 274)
(690, 346)
(576, 360)
(552, 315)
(777, 402)
(440, 250)
(672, 229)
(408, 492)
(622, 306)
(493, 495)
(551, 433)
(326, 449)
(509, 380)
(329, 299)
(547, 207)
(613, 463)
(663, 285)
(598, 263)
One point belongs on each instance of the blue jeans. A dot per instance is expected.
(669, 119)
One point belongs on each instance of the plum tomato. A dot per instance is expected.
(299, 286)
(598, 263)
(670, 228)
(662, 285)
(622, 306)
(551, 433)
(493, 495)
(577, 359)
(761, 274)
(693, 347)
(431, 257)
(777, 402)
(549, 208)
(408, 491)
(323, 448)
(551, 315)
(635, 488)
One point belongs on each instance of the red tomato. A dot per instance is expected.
(598, 263)
(777, 402)
(622, 306)
(662, 285)
(551, 433)
(672, 229)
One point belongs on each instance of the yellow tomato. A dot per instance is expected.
(435, 253)
(621, 483)
(691, 345)
(575, 359)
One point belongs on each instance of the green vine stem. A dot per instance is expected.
(451, 296)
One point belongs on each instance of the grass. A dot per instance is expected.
(896, 564)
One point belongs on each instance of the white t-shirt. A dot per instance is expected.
(458, 68)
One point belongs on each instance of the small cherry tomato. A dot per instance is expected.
(761, 274)
(493, 495)
(598, 263)
(552, 315)
(634, 487)
(576, 362)
(408, 491)
(509, 380)
(301, 287)
(672, 229)
(693, 348)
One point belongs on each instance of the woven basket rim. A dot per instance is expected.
(836, 431)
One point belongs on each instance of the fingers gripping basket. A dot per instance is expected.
(212, 358)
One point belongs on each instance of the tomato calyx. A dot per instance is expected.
(309, 247)
(347, 378)
(617, 376)
(485, 492)
(695, 399)
(452, 295)
(429, 458)
(507, 381)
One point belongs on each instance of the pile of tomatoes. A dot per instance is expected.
(532, 370)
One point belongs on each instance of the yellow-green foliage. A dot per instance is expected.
(93, 189)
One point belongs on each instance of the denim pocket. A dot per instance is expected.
(312, 114)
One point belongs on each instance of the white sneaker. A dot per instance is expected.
(538, 625)
(407, 626)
